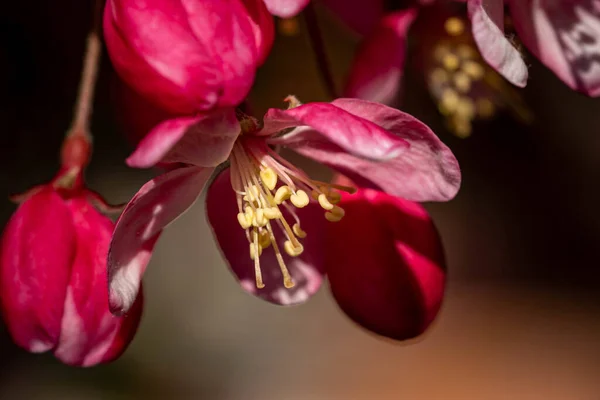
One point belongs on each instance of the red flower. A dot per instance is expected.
(53, 271)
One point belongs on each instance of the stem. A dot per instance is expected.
(83, 104)
(316, 40)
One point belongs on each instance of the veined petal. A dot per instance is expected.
(425, 171)
(385, 264)
(376, 73)
(487, 21)
(88, 328)
(204, 141)
(285, 8)
(565, 36)
(263, 27)
(306, 270)
(185, 55)
(38, 249)
(158, 203)
(352, 133)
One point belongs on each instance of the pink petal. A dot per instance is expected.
(361, 16)
(38, 249)
(88, 328)
(285, 8)
(376, 73)
(354, 134)
(487, 20)
(205, 141)
(306, 270)
(263, 27)
(565, 36)
(386, 264)
(185, 55)
(157, 203)
(426, 171)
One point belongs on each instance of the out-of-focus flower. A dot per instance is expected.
(262, 207)
(188, 56)
(385, 264)
(53, 270)
(563, 34)
(464, 87)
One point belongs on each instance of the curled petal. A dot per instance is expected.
(352, 133)
(89, 332)
(425, 171)
(285, 8)
(184, 55)
(565, 36)
(487, 20)
(376, 73)
(38, 249)
(385, 264)
(204, 141)
(158, 203)
(306, 270)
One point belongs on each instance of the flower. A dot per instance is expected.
(563, 34)
(266, 213)
(188, 56)
(392, 281)
(53, 270)
(464, 88)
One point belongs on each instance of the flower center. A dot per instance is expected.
(268, 190)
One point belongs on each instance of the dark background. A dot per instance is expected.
(521, 316)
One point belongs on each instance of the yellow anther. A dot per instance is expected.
(465, 108)
(334, 197)
(299, 199)
(298, 231)
(253, 250)
(485, 108)
(440, 51)
(314, 194)
(454, 26)
(272, 212)
(264, 240)
(252, 194)
(474, 69)
(462, 82)
(438, 76)
(269, 178)
(450, 62)
(324, 202)
(292, 250)
(449, 100)
(461, 127)
(259, 219)
(335, 215)
(466, 51)
(244, 221)
(282, 194)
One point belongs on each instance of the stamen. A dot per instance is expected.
(292, 250)
(323, 202)
(257, 271)
(269, 178)
(299, 199)
(454, 26)
(287, 279)
(244, 221)
(282, 194)
(335, 215)
(298, 231)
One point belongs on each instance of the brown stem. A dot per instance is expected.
(316, 40)
(85, 97)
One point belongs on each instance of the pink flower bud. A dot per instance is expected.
(53, 278)
(188, 56)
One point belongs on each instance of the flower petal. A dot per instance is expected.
(285, 8)
(426, 171)
(185, 55)
(204, 141)
(354, 134)
(385, 264)
(376, 73)
(263, 27)
(158, 203)
(38, 248)
(306, 270)
(487, 21)
(89, 329)
(565, 36)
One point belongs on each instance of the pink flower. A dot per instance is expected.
(53, 271)
(464, 87)
(385, 264)
(563, 34)
(188, 56)
(267, 214)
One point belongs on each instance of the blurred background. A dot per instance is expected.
(521, 317)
